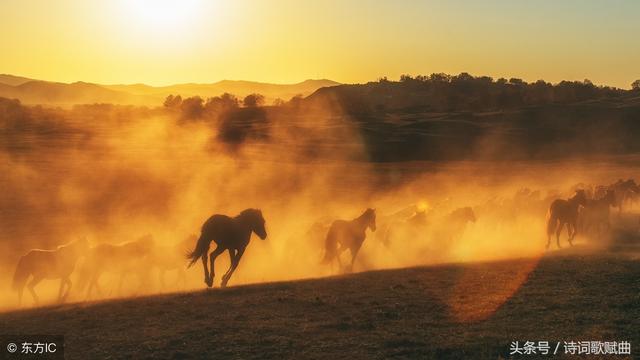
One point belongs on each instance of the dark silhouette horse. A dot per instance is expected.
(563, 212)
(49, 264)
(625, 192)
(595, 214)
(455, 223)
(350, 235)
(228, 233)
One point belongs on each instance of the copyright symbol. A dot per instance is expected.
(12, 348)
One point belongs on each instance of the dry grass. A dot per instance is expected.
(453, 311)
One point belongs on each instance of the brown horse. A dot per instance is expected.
(625, 192)
(563, 212)
(49, 264)
(228, 233)
(350, 235)
(595, 215)
(122, 259)
(171, 257)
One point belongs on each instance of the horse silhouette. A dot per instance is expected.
(232, 234)
(343, 235)
(48, 264)
(563, 212)
(626, 191)
(454, 224)
(123, 259)
(595, 214)
(171, 257)
(412, 227)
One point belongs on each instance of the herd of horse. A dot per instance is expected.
(587, 210)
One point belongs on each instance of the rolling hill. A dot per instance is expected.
(31, 91)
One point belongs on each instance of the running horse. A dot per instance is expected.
(563, 212)
(48, 264)
(350, 235)
(232, 234)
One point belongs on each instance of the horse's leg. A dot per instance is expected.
(232, 256)
(96, 284)
(62, 283)
(572, 224)
(558, 231)
(31, 285)
(20, 291)
(122, 275)
(234, 264)
(181, 279)
(212, 258)
(206, 268)
(354, 252)
(67, 281)
(339, 251)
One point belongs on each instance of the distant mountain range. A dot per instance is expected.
(31, 91)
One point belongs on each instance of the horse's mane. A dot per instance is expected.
(250, 213)
(367, 212)
(70, 243)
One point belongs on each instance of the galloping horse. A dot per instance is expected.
(231, 234)
(563, 212)
(49, 264)
(350, 235)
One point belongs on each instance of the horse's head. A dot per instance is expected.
(468, 215)
(580, 197)
(370, 216)
(464, 215)
(255, 221)
(144, 244)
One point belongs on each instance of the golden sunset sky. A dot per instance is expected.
(283, 41)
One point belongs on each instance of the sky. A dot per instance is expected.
(161, 42)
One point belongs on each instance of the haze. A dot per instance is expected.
(286, 41)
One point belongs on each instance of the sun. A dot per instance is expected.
(163, 14)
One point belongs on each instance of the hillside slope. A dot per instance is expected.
(447, 312)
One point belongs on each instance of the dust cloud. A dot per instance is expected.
(113, 174)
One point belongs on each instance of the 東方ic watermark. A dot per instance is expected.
(32, 347)
(570, 348)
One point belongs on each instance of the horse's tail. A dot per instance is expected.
(330, 244)
(200, 249)
(21, 275)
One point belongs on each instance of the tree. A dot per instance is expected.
(192, 107)
(253, 100)
(221, 103)
(405, 78)
(172, 102)
(635, 85)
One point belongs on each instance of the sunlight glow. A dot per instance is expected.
(164, 13)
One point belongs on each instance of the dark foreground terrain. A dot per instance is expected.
(445, 312)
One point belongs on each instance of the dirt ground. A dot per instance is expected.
(442, 312)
